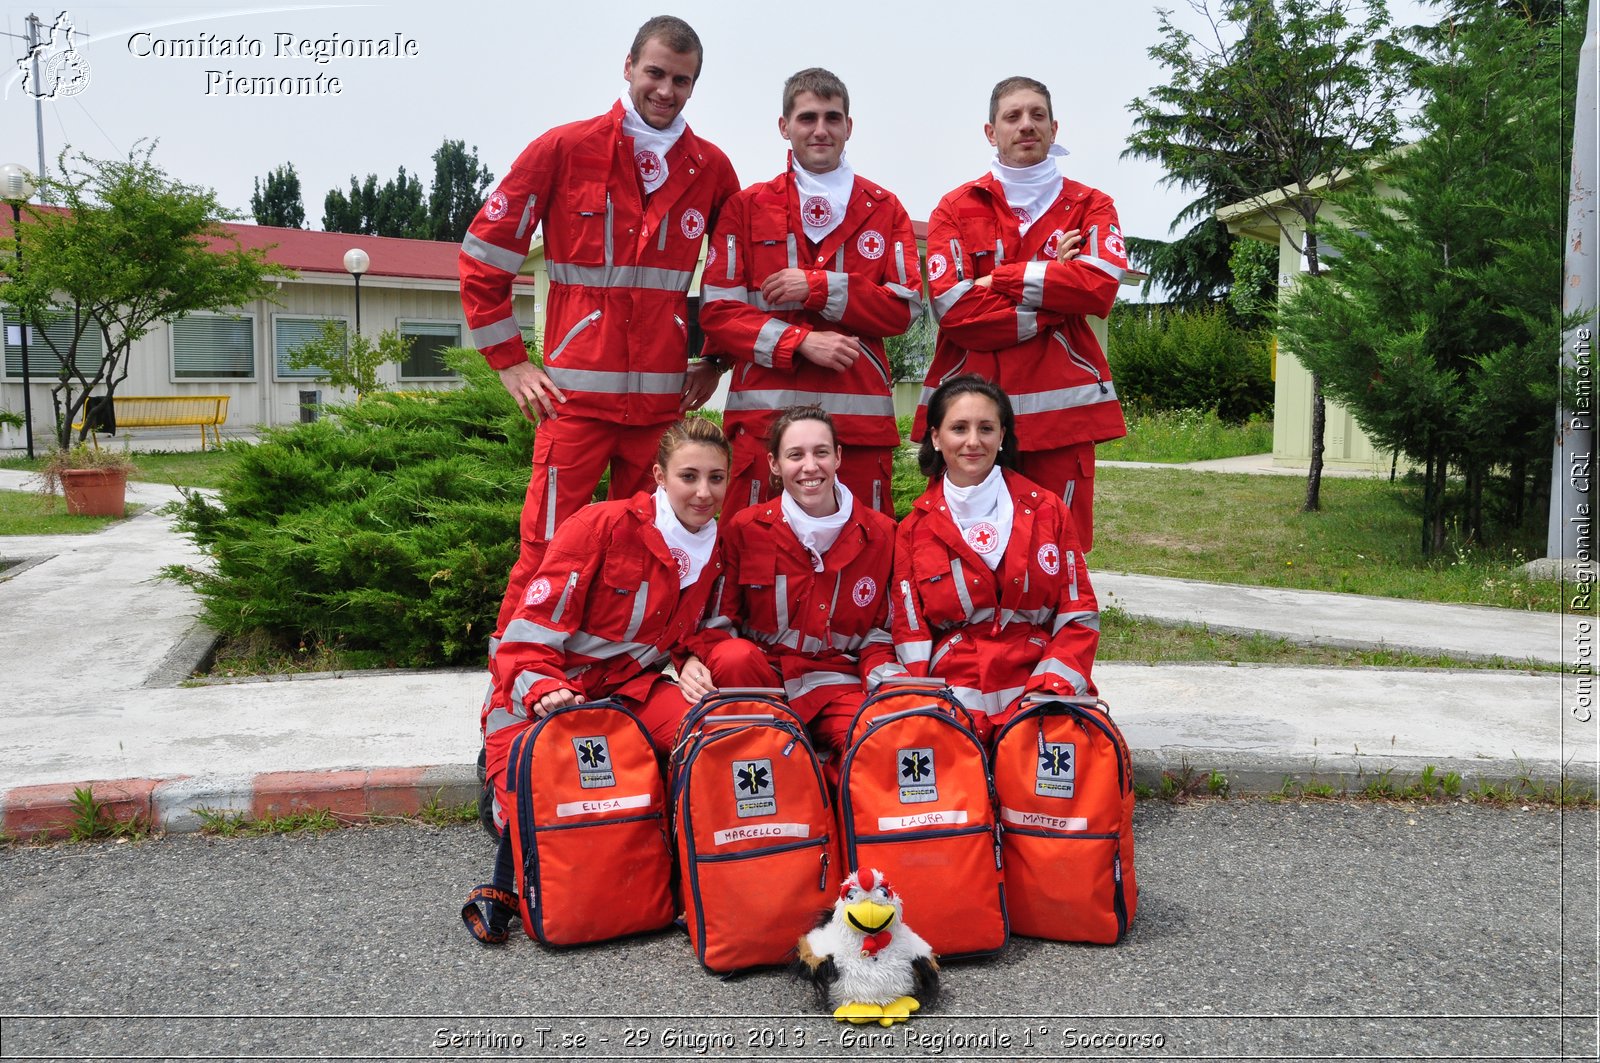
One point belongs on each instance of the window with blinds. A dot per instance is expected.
(214, 347)
(428, 339)
(291, 333)
(42, 360)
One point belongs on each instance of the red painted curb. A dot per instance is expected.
(385, 791)
(48, 810)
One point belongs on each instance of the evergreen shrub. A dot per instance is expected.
(1188, 360)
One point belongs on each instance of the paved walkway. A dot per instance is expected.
(97, 645)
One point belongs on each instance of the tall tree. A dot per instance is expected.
(279, 202)
(353, 213)
(460, 183)
(78, 263)
(401, 208)
(1437, 328)
(1275, 95)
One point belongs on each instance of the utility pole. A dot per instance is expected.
(38, 102)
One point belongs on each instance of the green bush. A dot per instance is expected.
(1188, 360)
(386, 529)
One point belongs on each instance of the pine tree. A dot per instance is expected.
(460, 183)
(279, 202)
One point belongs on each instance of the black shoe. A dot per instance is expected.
(486, 812)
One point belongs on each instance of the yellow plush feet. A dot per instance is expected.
(898, 1011)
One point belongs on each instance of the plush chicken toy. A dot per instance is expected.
(865, 963)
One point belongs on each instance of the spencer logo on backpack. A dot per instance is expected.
(585, 855)
(1064, 780)
(915, 801)
(754, 830)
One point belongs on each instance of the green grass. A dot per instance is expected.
(1127, 638)
(183, 468)
(1250, 530)
(1187, 435)
(30, 513)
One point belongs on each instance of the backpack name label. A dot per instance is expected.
(761, 830)
(1040, 821)
(932, 818)
(605, 804)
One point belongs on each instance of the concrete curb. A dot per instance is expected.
(48, 811)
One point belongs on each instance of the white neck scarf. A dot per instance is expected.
(818, 534)
(691, 550)
(650, 145)
(824, 197)
(1030, 189)
(983, 512)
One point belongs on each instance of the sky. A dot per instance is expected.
(496, 75)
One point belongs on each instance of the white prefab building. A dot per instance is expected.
(411, 286)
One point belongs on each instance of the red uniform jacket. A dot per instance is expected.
(864, 282)
(616, 331)
(833, 621)
(1027, 332)
(1034, 619)
(601, 616)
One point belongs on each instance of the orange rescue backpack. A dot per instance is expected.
(754, 830)
(585, 855)
(1064, 780)
(916, 802)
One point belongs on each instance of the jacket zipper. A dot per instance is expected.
(572, 334)
(1080, 361)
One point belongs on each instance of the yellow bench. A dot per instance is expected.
(162, 411)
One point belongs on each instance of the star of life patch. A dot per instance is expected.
(914, 774)
(594, 762)
(754, 792)
(1058, 769)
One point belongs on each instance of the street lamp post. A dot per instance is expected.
(17, 187)
(356, 263)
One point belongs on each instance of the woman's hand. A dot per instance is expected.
(552, 701)
(694, 679)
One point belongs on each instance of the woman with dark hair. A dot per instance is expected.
(621, 585)
(804, 601)
(991, 592)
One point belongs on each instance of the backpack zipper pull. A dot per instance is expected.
(822, 883)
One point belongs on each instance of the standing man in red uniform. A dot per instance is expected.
(625, 200)
(806, 275)
(1017, 262)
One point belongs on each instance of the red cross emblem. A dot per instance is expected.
(498, 205)
(1050, 558)
(983, 537)
(1021, 215)
(681, 556)
(1052, 246)
(649, 164)
(817, 211)
(871, 244)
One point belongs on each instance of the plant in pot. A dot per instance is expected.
(93, 481)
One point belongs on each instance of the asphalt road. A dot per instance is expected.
(1265, 931)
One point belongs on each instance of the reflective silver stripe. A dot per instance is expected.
(1101, 264)
(839, 405)
(838, 296)
(714, 602)
(877, 494)
(498, 332)
(911, 609)
(908, 294)
(780, 602)
(566, 592)
(527, 217)
(1027, 324)
(653, 277)
(661, 237)
(767, 341)
(755, 492)
(1033, 283)
(887, 670)
(955, 260)
(572, 334)
(999, 250)
(1072, 573)
(943, 303)
(794, 253)
(900, 260)
(1093, 242)
(490, 255)
(616, 383)
(1090, 620)
(610, 258)
(550, 505)
(591, 645)
(913, 652)
(838, 261)
(958, 574)
(812, 681)
(731, 250)
(1063, 398)
(650, 656)
(811, 644)
(538, 634)
(950, 644)
(1068, 491)
(494, 646)
(1049, 666)
(833, 605)
(978, 616)
(500, 719)
(525, 682)
(991, 703)
(640, 597)
(710, 294)
(852, 643)
(1039, 617)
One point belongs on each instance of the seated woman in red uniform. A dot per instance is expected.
(621, 585)
(804, 605)
(991, 592)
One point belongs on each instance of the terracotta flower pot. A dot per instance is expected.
(95, 492)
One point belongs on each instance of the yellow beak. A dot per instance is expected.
(869, 917)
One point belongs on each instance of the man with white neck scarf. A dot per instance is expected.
(1017, 261)
(806, 275)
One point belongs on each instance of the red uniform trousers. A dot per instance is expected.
(867, 471)
(1069, 471)
(570, 454)
(827, 710)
